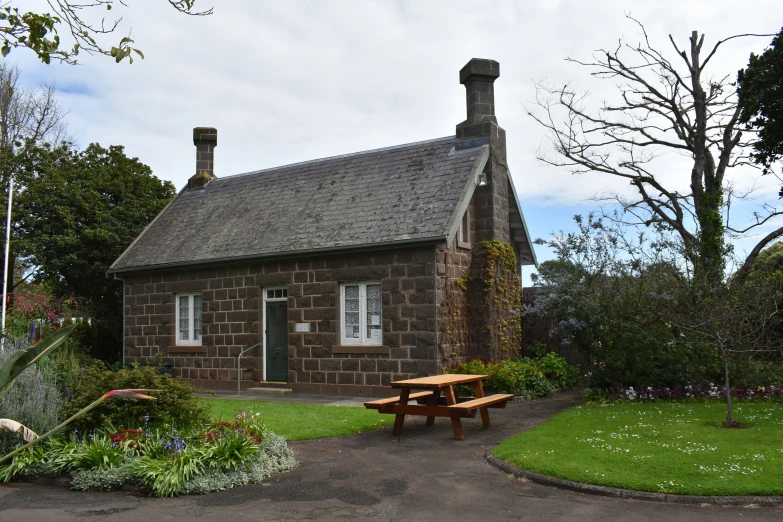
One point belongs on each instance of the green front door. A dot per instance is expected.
(277, 341)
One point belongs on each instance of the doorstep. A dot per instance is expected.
(270, 389)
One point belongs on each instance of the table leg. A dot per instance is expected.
(456, 423)
(433, 401)
(399, 420)
(478, 387)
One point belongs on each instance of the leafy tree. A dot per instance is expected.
(38, 31)
(665, 104)
(770, 260)
(76, 212)
(761, 98)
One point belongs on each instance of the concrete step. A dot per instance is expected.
(271, 384)
(263, 389)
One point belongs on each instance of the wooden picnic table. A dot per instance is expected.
(431, 404)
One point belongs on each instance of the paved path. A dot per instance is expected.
(423, 475)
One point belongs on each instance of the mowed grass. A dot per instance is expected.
(667, 448)
(296, 421)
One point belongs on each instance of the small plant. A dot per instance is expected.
(166, 477)
(98, 453)
(734, 424)
(129, 438)
(230, 451)
(557, 370)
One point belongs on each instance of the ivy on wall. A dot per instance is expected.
(454, 313)
(489, 322)
(502, 299)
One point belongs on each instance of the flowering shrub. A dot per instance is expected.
(770, 393)
(520, 377)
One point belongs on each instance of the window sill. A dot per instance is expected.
(376, 350)
(463, 244)
(187, 349)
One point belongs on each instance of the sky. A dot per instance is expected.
(291, 81)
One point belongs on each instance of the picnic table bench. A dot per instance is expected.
(432, 404)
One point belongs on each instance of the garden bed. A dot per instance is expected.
(659, 447)
(161, 461)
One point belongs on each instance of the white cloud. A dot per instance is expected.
(297, 80)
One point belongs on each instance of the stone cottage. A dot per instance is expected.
(330, 271)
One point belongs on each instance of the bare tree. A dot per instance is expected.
(28, 115)
(663, 106)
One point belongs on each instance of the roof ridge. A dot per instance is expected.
(340, 156)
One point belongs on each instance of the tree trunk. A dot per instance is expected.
(711, 256)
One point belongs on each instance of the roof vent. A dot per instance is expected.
(205, 140)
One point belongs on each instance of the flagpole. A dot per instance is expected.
(7, 252)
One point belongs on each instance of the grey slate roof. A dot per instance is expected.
(407, 193)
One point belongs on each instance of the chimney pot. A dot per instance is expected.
(481, 126)
(478, 76)
(205, 140)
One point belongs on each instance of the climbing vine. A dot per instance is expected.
(454, 313)
(486, 323)
(502, 299)
(710, 263)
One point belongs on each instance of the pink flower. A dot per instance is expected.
(129, 394)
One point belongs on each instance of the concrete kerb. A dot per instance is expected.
(604, 491)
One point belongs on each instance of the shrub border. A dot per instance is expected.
(605, 491)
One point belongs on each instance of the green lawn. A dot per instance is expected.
(297, 421)
(669, 448)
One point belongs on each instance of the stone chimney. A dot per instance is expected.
(205, 140)
(481, 128)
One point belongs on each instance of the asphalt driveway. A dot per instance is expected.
(423, 475)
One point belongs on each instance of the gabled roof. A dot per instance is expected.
(405, 194)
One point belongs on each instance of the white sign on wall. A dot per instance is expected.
(302, 327)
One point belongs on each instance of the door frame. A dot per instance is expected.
(263, 332)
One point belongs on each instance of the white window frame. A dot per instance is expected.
(191, 320)
(363, 340)
(278, 299)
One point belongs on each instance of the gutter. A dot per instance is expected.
(290, 254)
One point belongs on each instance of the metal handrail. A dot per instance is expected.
(239, 369)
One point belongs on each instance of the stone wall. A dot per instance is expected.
(233, 320)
